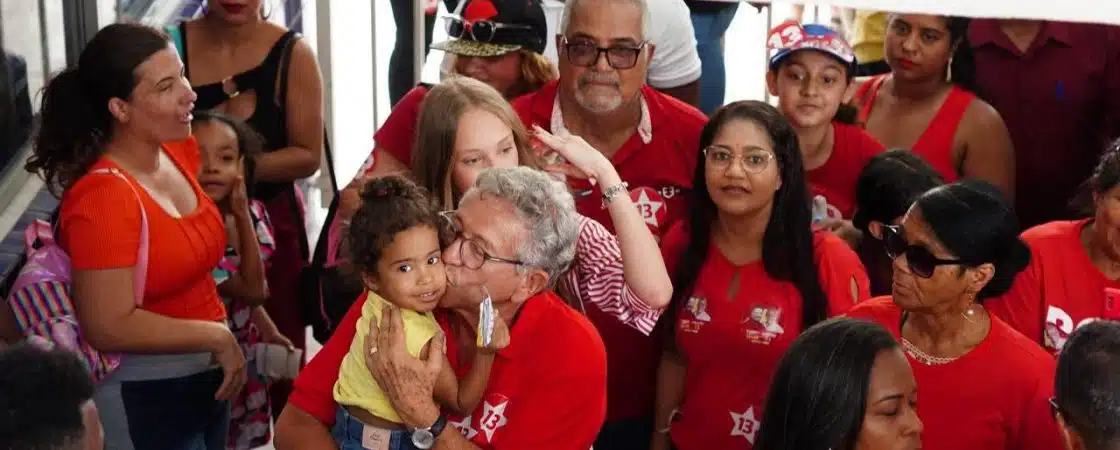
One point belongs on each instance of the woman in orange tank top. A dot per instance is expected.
(928, 102)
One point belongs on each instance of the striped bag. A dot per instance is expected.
(40, 296)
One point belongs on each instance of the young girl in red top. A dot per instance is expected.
(750, 274)
(928, 102)
(228, 147)
(812, 74)
(1074, 275)
(981, 385)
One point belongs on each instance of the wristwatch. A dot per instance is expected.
(425, 438)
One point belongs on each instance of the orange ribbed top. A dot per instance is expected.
(100, 229)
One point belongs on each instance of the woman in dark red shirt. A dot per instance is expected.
(982, 385)
(1074, 275)
(750, 274)
(928, 104)
(844, 384)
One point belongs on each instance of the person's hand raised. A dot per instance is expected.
(407, 381)
(572, 156)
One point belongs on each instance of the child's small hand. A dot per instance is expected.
(239, 198)
(500, 338)
(273, 336)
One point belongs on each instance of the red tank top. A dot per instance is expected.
(935, 145)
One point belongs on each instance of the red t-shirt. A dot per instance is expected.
(995, 397)
(733, 345)
(547, 390)
(397, 134)
(836, 178)
(99, 227)
(1060, 290)
(659, 175)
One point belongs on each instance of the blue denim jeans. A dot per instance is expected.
(709, 26)
(347, 433)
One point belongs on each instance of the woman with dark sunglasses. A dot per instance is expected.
(983, 385)
(750, 275)
(1074, 275)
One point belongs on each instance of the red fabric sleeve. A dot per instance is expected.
(313, 391)
(1021, 307)
(99, 223)
(399, 130)
(1037, 429)
(838, 268)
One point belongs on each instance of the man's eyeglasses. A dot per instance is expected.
(479, 30)
(753, 161)
(619, 57)
(471, 253)
(921, 262)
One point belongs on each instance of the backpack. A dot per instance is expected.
(40, 295)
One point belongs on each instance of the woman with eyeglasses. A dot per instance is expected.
(1074, 275)
(929, 105)
(497, 42)
(844, 384)
(749, 275)
(982, 385)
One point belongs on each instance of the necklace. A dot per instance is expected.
(923, 357)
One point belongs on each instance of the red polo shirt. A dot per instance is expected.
(547, 390)
(836, 178)
(1060, 102)
(659, 174)
(733, 344)
(994, 397)
(1060, 290)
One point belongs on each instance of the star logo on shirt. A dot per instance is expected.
(746, 425)
(650, 204)
(493, 417)
(464, 427)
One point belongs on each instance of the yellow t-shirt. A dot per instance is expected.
(869, 31)
(355, 385)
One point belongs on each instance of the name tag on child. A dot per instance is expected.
(374, 438)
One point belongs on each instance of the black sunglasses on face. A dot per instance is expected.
(921, 262)
(619, 57)
(479, 30)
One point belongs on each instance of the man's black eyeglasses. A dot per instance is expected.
(619, 57)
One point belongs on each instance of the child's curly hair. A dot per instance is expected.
(389, 205)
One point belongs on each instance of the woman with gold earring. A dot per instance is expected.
(981, 384)
(928, 102)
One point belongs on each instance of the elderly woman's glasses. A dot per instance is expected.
(471, 253)
(479, 30)
(921, 262)
(619, 57)
(753, 161)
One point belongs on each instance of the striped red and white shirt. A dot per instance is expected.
(596, 277)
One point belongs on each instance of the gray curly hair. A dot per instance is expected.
(547, 209)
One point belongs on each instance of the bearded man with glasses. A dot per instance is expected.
(651, 138)
(512, 236)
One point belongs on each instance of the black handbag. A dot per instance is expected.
(326, 293)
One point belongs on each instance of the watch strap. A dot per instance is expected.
(438, 427)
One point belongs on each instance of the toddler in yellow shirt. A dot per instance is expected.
(394, 244)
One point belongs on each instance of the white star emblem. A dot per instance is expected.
(746, 425)
(648, 208)
(464, 427)
(493, 417)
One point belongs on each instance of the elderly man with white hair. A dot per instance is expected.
(514, 233)
(653, 141)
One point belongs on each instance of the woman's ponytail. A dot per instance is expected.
(71, 132)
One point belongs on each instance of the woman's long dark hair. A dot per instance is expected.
(787, 245)
(818, 395)
(75, 121)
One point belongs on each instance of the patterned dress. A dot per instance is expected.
(250, 410)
